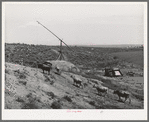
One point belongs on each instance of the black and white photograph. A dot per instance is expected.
(74, 60)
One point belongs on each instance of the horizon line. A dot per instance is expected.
(77, 44)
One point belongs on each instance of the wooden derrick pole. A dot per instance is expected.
(60, 56)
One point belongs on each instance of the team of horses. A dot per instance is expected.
(79, 83)
(103, 90)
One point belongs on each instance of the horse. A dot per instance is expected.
(44, 67)
(101, 89)
(124, 94)
(77, 81)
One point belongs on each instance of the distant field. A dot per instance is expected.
(135, 57)
(88, 57)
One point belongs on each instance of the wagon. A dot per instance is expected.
(113, 72)
(48, 63)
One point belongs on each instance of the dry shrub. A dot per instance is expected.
(32, 102)
(30, 106)
(20, 99)
(85, 85)
(52, 82)
(93, 81)
(51, 94)
(92, 103)
(77, 94)
(115, 57)
(17, 71)
(56, 105)
(32, 98)
(23, 82)
(98, 107)
(138, 96)
(7, 71)
(20, 74)
(49, 80)
(67, 98)
(8, 106)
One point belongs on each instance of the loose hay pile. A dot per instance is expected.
(65, 66)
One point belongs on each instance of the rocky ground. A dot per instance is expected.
(29, 88)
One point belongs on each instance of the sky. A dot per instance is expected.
(82, 23)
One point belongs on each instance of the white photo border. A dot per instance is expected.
(85, 114)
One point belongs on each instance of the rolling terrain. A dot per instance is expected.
(27, 87)
(88, 57)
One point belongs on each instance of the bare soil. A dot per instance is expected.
(29, 88)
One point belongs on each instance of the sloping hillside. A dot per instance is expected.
(29, 88)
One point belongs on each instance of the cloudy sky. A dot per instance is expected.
(76, 23)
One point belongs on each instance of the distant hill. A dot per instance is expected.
(135, 57)
(114, 46)
(88, 57)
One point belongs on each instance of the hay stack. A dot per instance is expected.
(64, 66)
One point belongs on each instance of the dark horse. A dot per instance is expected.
(44, 67)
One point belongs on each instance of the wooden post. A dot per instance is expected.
(60, 50)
